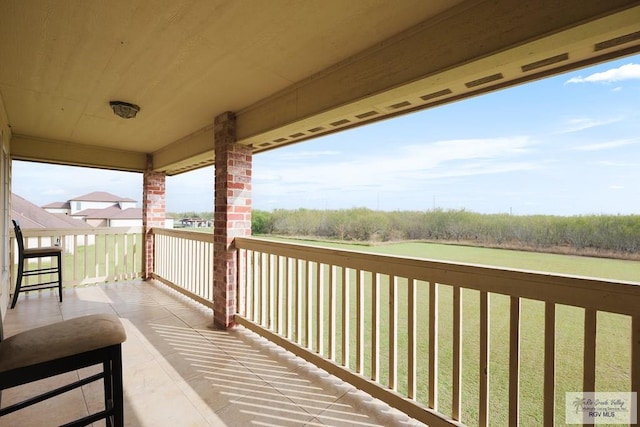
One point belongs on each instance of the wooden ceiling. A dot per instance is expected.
(290, 69)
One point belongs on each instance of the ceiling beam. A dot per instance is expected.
(73, 154)
(188, 153)
(467, 50)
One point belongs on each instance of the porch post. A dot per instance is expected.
(232, 215)
(153, 212)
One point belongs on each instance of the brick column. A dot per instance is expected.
(153, 212)
(232, 215)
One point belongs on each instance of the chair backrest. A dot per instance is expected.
(19, 240)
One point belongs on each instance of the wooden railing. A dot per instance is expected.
(448, 344)
(183, 260)
(92, 255)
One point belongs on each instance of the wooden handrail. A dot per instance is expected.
(273, 275)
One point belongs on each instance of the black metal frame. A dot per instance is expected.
(111, 360)
(24, 254)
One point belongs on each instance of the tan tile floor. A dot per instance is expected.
(179, 371)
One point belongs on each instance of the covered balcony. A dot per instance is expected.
(424, 341)
(165, 88)
(181, 371)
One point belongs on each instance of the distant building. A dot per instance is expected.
(100, 209)
(31, 216)
(196, 222)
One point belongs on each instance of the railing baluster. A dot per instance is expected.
(75, 257)
(375, 327)
(393, 333)
(320, 308)
(272, 289)
(308, 305)
(256, 286)
(514, 362)
(332, 313)
(106, 254)
(116, 257)
(433, 346)
(271, 292)
(241, 300)
(299, 282)
(484, 359)
(456, 408)
(411, 332)
(345, 316)
(280, 294)
(125, 255)
(549, 364)
(248, 283)
(196, 254)
(95, 263)
(359, 321)
(289, 304)
(589, 372)
(86, 255)
(264, 290)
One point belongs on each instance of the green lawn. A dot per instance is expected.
(613, 336)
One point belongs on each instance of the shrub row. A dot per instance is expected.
(595, 233)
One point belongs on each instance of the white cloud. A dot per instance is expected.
(410, 166)
(582, 123)
(616, 187)
(624, 72)
(607, 145)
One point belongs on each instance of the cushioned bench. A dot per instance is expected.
(63, 347)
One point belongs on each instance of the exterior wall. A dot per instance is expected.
(57, 210)
(127, 205)
(153, 212)
(97, 222)
(5, 210)
(125, 223)
(232, 215)
(80, 205)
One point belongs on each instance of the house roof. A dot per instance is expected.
(101, 196)
(131, 213)
(112, 212)
(30, 215)
(58, 205)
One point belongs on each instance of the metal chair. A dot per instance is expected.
(24, 255)
(66, 346)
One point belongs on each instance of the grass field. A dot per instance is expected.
(613, 333)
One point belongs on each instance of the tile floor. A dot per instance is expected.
(179, 371)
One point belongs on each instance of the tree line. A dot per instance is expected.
(589, 234)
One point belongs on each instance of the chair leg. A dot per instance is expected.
(16, 292)
(60, 276)
(117, 386)
(108, 386)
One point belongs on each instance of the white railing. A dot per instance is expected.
(183, 260)
(448, 344)
(90, 255)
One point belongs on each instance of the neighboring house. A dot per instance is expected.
(196, 222)
(100, 209)
(30, 216)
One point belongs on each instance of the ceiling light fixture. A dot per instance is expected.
(124, 109)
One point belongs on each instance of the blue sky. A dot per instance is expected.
(567, 145)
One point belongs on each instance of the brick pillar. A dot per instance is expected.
(153, 212)
(232, 215)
